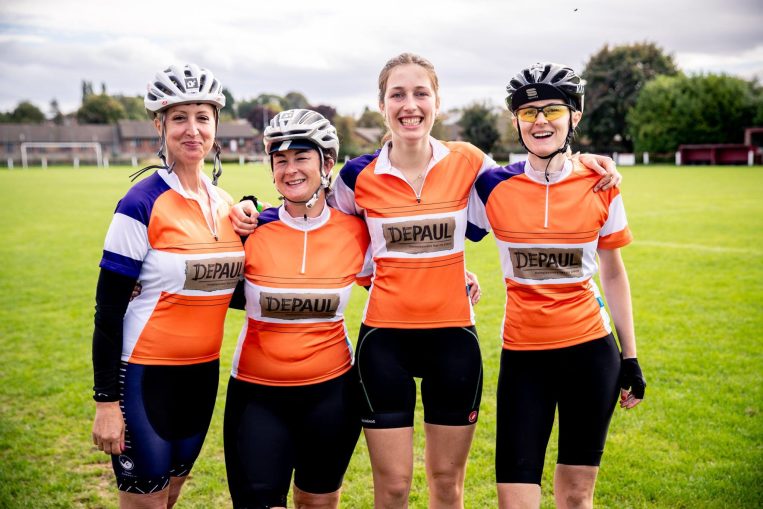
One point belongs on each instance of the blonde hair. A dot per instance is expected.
(403, 59)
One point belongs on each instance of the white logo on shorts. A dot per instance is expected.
(126, 462)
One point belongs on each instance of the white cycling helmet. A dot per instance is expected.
(295, 127)
(545, 80)
(303, 129)
(179, 85)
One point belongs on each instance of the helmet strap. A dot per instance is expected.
(325, 185)
(160, 154)
(560, 150)
(217, 166)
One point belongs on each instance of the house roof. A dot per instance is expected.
(15, 133)
(370, 134)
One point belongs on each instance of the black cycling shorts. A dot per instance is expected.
(581, 381)
(167, 410)
(271, 432)
(448, 361)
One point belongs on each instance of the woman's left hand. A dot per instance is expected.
(604, 166)
(473, 287)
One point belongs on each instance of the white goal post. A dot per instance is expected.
(61, 144)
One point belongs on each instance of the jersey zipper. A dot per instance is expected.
(211, 227)
(545, 219)
(304, 251)
(416, 193)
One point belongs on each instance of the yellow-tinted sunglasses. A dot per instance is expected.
(550, 111)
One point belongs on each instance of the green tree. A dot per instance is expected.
(478, 126)
(327, 111)
(27, 113)
(294, 100)
(87, 89)
(229, 111)
(675, 110)
(133, 106)
(371, 118)
(615, 76)
(100, 109)
(345, 130)
(758, 92)
(55, 112)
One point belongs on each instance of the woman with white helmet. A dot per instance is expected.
(291, 404)
(559, 353)
(156, 358)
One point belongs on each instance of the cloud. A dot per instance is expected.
(332, 52)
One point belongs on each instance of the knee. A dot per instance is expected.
(446, 487)
(395, 489)
(577, 496)
(305, 500)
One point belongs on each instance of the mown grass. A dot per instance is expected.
(697, 278)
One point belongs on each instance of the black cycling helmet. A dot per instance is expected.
(542, 81)
(545, 81)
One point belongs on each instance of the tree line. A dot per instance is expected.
(636, 100)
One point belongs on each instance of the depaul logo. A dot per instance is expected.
(126, 462)
(420, 236)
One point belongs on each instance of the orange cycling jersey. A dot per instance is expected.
(299, 274)
(547, 235)
(188, 270)
(417, 239)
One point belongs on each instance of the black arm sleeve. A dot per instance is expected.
(238, 301)
(111, 299)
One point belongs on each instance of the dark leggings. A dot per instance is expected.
(581, 381)
(271, 432)
(447, 359)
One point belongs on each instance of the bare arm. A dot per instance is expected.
(614, 282)
(617, 290)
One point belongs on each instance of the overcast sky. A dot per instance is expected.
(332, 51)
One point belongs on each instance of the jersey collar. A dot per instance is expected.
(539, 176)
(173, 181)
(384, 165)
(304, 224)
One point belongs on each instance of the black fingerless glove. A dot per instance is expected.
(252, 198)
(632, 378)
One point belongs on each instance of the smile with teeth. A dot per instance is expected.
(411, 121)
(542, 134)
(295, 182)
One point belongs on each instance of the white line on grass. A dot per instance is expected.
(698, 247)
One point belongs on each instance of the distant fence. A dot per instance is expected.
(718, 153)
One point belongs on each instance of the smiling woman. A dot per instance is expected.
(559, 350)
(291, 404)
(156, 357)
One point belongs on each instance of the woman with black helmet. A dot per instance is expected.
(559, 353)
(156, 357)
(291, 405)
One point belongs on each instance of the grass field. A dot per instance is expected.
(696, 270)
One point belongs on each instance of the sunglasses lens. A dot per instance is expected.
(554, 112)
(528, 114)
(551, 112)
